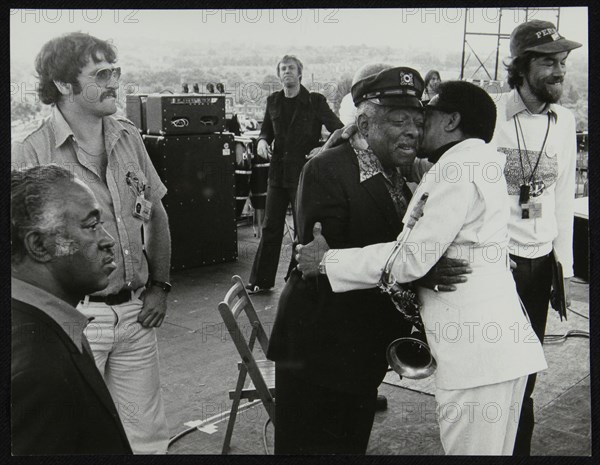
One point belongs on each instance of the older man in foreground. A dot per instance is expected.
(60, 253)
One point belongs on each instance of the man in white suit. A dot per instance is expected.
(483, 343)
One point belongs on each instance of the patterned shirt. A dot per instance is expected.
(369, 166)
(54, 142)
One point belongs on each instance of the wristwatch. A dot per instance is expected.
(165, 286)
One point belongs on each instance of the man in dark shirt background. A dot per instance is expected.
(290, 131)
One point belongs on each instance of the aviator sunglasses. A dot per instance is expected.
(104, 75)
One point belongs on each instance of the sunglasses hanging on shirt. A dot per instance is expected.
(142, 207)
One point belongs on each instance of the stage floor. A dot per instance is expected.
(199, 367)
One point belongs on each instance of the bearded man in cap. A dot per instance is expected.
(538, 138)
(329, 348)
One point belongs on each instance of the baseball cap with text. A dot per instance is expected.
(538, 36)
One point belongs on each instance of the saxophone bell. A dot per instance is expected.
(411, 357)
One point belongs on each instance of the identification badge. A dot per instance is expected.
(531, 211)
(142, 208)
(226, 149)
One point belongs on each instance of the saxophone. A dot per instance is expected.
(410, 357)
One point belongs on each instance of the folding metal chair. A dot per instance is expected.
(262, 372)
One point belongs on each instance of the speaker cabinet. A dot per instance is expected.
(135, 109)
(198, 171)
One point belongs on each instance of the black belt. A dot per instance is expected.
(516, 258)
(113, 299)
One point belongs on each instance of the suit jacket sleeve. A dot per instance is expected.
(356, 268)
(327, 116)
(448, 205)
(38, 415)
(266, 129)
(321, 198)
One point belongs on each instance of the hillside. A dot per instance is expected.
(249, 72)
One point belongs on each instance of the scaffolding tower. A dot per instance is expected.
(493, 33)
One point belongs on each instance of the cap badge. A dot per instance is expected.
(406, 79)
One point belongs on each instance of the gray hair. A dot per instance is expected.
(368, 109)
(34, 203)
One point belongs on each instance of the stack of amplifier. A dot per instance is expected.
(185, 137)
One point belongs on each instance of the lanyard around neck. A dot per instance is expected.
(534, 169)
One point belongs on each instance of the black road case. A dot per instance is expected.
(198, 171)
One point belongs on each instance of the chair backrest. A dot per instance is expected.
(237, 301)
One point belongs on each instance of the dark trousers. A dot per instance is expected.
(313, 419)
(266, 260)
(534, 280)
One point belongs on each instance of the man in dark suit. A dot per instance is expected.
(60, 253)
(329, 348)
(289, 134)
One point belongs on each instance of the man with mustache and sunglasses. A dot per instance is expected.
(538, 138)
(78, 78)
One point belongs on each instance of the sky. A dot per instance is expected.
(439, 29)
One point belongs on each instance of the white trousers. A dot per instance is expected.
(127, 356)
(481, 420)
